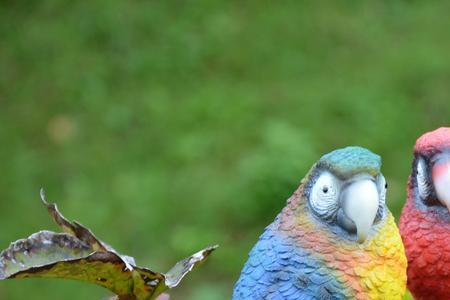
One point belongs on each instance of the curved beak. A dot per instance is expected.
(440, 174)
(360, 202)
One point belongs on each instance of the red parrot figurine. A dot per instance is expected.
(425, 219)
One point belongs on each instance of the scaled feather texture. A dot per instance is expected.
(306, 254)
(425, 219)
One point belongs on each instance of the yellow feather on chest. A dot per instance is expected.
(384, 277)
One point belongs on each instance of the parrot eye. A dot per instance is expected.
(324, 196)
(424, 186)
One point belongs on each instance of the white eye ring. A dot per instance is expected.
(324, 197)
(423, 183)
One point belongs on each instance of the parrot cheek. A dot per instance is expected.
(441, 181)
(360, 203)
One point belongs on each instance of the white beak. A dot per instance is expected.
(360, 202)
(441, 180)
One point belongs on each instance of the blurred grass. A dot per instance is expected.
(166, 126)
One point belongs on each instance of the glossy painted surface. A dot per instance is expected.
(301, 257)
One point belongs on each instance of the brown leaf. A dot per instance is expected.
(78, 254)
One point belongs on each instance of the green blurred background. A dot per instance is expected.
(167, 126)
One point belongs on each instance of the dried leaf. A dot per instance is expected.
(40, 249)
(177, 273)
(78, 254)
(81, 232)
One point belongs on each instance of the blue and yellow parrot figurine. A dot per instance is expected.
(335, 239)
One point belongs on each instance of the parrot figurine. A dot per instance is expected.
(334, 239)
(425, 219)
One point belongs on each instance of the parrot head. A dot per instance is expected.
(430, 180)
(346, 191)
(335, 238)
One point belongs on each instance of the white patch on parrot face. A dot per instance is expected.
(424, 186)
(382, 188)
(324, 197)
